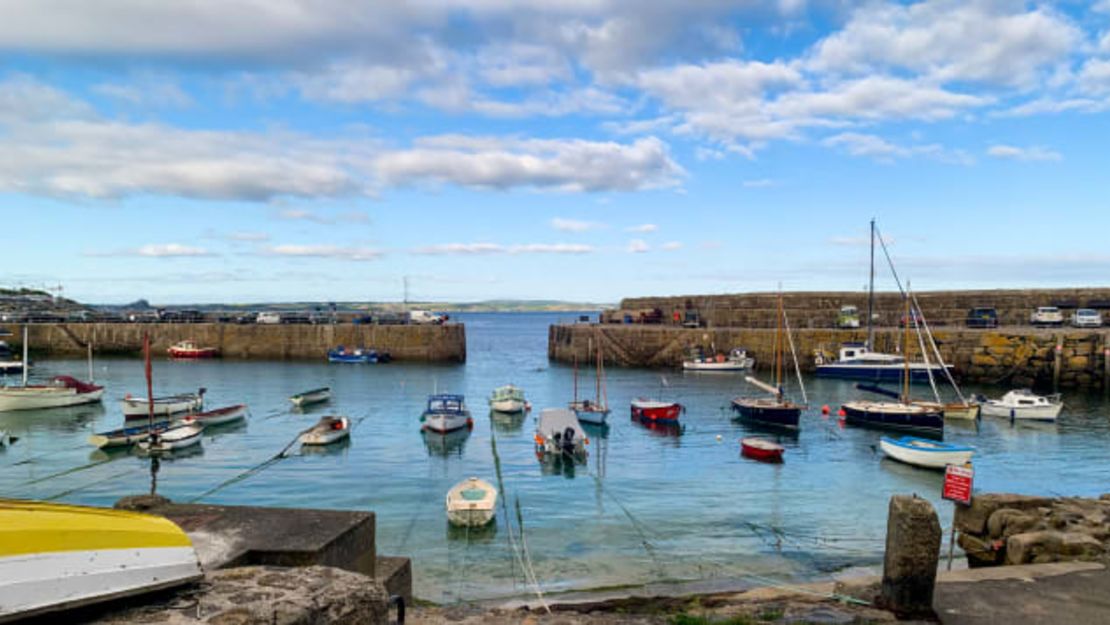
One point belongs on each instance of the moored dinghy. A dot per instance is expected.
(140, 407)
(925, 453)
(315, 396)
(176, 437)
(471, 503)
(327, 430)
(219, 416)
(126, 436)
(761, 449)
(79, 556)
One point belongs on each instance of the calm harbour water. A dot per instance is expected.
(649, 506)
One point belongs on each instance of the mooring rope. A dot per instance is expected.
(93, 483)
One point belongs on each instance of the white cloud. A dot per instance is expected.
(1032, 153)
(146, 92)
(1094, 77)
(575, 225)
(876, 98)
(572, 165)
(951, 40)
(874, 146)
(642, 228)
(497, 248)
(638, 246)
(324, 251)
(759, 183)
(158, 250)
(249, 236)
(670, 246)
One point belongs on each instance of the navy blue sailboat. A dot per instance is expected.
(774, 411)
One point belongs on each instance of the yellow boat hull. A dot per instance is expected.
(56, 557)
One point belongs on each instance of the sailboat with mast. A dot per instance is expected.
(775, 410)
(59, 392)
(858, 361)
(902, 415)
(597, 411)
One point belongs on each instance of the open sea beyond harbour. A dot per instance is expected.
(649, 506)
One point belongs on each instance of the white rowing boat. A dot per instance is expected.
(219, 416)
(139, 407)
(315, 396)
(176, 437)
(56, 557)
(327, 430)
(925, 453)
(471, 503)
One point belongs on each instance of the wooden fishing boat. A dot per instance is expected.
(139, 407)
(1023, 404)
(127, 436)
(652, 410)
(315, 396)
(218, 416)
(446, 413)
(189, 349)
(471, 503)
(925, 453)
(174, 437)
(559, 434)
(774, 411)
(761, 449)
(55, 557)
(507, 399)
(327, 430)
(62, 391)
(597, 411)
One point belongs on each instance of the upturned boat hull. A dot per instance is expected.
(57, 557)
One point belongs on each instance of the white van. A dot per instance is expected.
(268, 317)
(424, 316)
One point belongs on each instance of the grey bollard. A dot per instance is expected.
(912, 553)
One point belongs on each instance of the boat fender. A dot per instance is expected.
(841, 413)
(539, 440)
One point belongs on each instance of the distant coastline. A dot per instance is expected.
(362, 307)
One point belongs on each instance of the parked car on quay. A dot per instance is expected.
(982, 317)
(268, 318)
(1086, 318)
(1046, 316)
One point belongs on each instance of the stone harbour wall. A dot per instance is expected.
(820, 309)
(445, 343)
(1000, 528)
(1064, 357)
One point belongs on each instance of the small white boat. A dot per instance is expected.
(507, 399)
(471, 503)
(1023, 404)
(327, 430)
(952, 410)
(925, 453)
(560, 434)
(139, 407)
(62, 391)
(219, 416)
(315, 396)
(737, 360)
(446, 413)
(176, 437)
(57, 557)
(126, 436)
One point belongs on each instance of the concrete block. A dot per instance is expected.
(395, 574)
(912, 552)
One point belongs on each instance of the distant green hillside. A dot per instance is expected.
(483, 306)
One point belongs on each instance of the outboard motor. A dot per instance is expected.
(568, 441)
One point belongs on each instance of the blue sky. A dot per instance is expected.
(239, 151)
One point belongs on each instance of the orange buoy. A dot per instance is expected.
(825, 409)
(841, 413)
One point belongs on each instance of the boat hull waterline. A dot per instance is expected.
(894, 417)
(767, 412)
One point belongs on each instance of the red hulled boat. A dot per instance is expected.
(761, 449)
(659, 411)
(189, 349)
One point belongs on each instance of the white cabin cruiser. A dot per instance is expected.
(1024, 404)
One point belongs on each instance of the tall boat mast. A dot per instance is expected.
(906, 348)
(871, 290)
(25, 361)
(779, 347)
